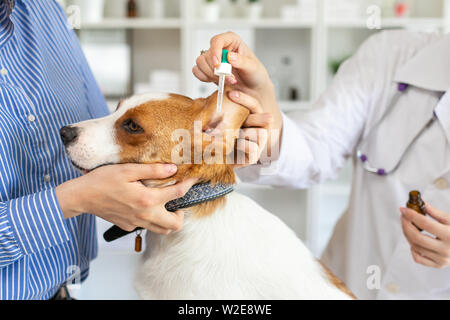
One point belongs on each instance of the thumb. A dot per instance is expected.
(175, 191)
(437, 214)
(242, 62)
(135, 172)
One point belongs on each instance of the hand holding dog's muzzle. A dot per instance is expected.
(116, 194)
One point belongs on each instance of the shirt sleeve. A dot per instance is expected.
(316, 144)
(30, 224)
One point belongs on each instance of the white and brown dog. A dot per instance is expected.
(229, 248)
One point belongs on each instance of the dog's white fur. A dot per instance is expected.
(96, 144)
(241, 251)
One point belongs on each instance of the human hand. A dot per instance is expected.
(254, 133)
(248, 72)
(116, 194)
(427, 250)
(249, 77)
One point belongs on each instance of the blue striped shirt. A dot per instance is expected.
(45, 84)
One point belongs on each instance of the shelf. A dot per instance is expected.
(172, 23)
(261, 23)
(134, 23)
(388, 23)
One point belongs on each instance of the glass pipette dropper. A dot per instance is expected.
(222, 71)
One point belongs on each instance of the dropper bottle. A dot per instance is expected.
(416, 203)
(222, 71)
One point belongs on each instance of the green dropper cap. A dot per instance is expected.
(225, 56)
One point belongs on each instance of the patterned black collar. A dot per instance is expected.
(200, 193)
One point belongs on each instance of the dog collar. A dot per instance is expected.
(198, 194)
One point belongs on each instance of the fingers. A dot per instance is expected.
(231, 79)
(257, 135)
(211, 59)
(152, 213)
(256, 118)
(162, 221)
(205, 72)
(124, 225)
(136, 172)
(426, 250)
(204, 67)
(250, 149)
(441, 260)
(157, 229)
(437, 214)
(200, 74)
(261, 120)
(176, 191)
(242, 62)
(434, 227)
(229, 40)
(245, 100)
(418, 258)
(415, 237)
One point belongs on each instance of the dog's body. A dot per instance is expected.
(229, 248)
(240, 252)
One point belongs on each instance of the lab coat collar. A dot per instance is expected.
(429, 68)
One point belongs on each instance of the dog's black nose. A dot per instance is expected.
(68, 134)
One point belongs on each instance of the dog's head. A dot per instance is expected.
(160, 128)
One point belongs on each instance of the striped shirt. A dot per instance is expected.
(45, 84)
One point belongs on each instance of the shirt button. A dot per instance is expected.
(47, 178)
(392, 288)
(3, 71)
(441, 183)
(31, 118)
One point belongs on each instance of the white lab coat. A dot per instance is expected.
(314, 147)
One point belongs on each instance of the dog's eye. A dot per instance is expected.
(132, 127)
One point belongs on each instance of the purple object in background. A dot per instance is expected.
(381, 172)
(402, 87)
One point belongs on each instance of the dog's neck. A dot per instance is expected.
(213, 174)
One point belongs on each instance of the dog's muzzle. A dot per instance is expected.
(68, 134)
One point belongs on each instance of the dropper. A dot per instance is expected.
(222, 71)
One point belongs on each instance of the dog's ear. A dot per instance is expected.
(220, 130)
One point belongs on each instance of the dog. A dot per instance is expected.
(228, 248)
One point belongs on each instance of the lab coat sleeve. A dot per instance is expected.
(316, 144)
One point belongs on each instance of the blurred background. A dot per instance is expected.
(136, 46)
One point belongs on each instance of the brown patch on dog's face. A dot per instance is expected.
(144, 133)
